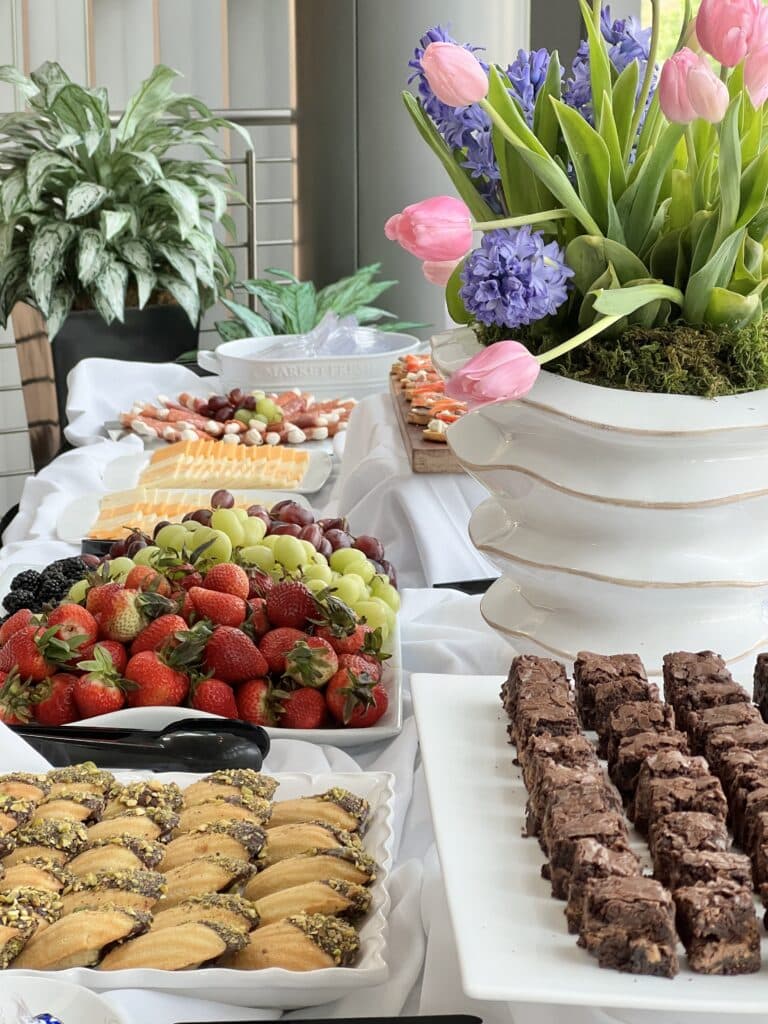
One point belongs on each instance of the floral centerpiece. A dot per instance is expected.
(622, 206)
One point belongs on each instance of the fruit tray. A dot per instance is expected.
(511, 936)
(276, 987)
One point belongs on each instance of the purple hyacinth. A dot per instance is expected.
(527, 75)
(515, 278)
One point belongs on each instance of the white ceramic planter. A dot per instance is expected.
(621, 521)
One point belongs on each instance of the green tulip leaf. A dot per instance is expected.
(456, 308)
(734, 311)
(590, 255)
(715, 273)
(624, 301)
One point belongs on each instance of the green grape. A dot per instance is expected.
(309, 550)
(365, 569)
(319, 559)
(259, 555)
(78, 591)
(347, 559)
(172, 536)
(220, 550)
(244, 416)
(119, 568)
(266, 407)
(318, 572)
(224, 519)
(349, 589)
(289, 552)
(270, 541)
(386, 592)
(260, 417)
(242, 514)
(375, 614)
(315, 586)
(146, 556)
(254, 530)
(192, 525)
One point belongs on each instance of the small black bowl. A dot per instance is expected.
(90, 546)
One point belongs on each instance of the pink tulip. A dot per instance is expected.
(455, 76)
(724, 28)
(439, 271)
(756, 75)
(437, 229)
(688, 88)
(501, 372)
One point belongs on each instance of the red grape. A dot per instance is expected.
(294, 513)
(91, 561)
(338, 539)
(333, 524)
(370, 546)
(263, 515)
(117, 550)
(281, 504)
(325, 548)
(313, 534)
(235, 396)
(224, 414)
(202, 516)
(134, 545)
(249, 403)
(222, 499)
(389, 569)
(216, 402)
(159, 526)
(290, 528)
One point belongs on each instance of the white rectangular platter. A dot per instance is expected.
(275, 987)
(512, 938)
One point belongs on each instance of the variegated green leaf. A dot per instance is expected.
(256, 326)
(14, 282)
(90, 255)
(12, 76)
(49, 244)
(180, 262)
(83, 198)
(13, 192)
(145, 282)
(135, 253)
(184, 202)
(186, 297)
(232, 330)
(41, 286)
(42, 164)
(110, 286)
(113, 222)
(150, 101)
(59, 309)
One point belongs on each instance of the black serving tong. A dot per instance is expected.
(471, 587)
(457, 1018)
(192, 744)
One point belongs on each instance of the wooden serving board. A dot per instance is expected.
(424, 456)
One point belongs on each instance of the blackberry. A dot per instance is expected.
(18, 599)
(29, 580)
(53, 587)
(72, 569)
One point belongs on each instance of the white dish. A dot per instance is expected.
(123, 472)
(275, 987)
(115, 431)
(70, 1003)
(389, 724)
(512, 938)
(76, 518)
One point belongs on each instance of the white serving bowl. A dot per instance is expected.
(72, 1004)
(251, 363)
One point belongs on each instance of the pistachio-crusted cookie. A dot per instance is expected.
(145, 793)
(345, 863)
(38, 873)
(232, 808)
(222, 907)
(118, 853)
(24, 786)
(17, 926)
(336, 806)
(14, 811)
(85, 777)
(302, 942)
(286, 841)
(138, 890)
(331, 896)
(44, 904)
(150, 823)
(176, 949)
(79, 939)
(57, 839)
(243, 840)
(205, 875)
(220, 784)
(70, 803)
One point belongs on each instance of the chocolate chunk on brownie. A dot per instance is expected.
(633, 752)
(567, 751)
(718, 927)
(628, 924)
(555, 716)
(696, 867)
(671, 836)
(575, 800)
(527, 672)
(607, 827)
(760, 685)
(723, 742)
(663, 796)
(684, 671)
(593, 860)
(635, 717)
(708, 720)
(591, 670)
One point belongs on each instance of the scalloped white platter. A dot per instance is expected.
(512, 938)
(275, 987)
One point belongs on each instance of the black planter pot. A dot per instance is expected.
(155, 334)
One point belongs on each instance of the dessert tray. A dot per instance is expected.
(512, 940)
(273, 987)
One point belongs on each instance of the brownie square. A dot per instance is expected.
(635, 717)
(574, 801)
(628, 924)
(681, 832)
(750, 798)
(610, 696)
(567, 751)
(555, 715)
(664, 796)
(695, 867)
(708, 720)
(665, 764)
(718, 927)
(684, 671)
(607, 827)
(634, 751)
(557, 779)
(760, 685)
(592, 860)
(591, 670)
(527, 670)
(760, 852)
(724, 741)
(708, 695)
(735, 764)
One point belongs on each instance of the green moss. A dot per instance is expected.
(677, 359)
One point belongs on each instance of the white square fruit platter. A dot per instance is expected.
(276, 987)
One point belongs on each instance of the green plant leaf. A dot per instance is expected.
(41, 287)
(146, 281)
(256, 326)
(40, 165)
(729, 171)
(135, 253)
(90, 255)
(590, 255)
(457, 311)
(304, 314)
(83, 198)
(715, 273)
(599, 64)
(624, 100)
(110, 286)
(732, 310)
(59, 309)
(50, 241)
(234, 330)
(608, 131)
(591, 162)
(623, 301)
(754, 188)
(13, 193)
(649, 183)
(546, 127)
(12, 76)
(50, 78)
(147, 103)
(184, 202)
(288, 276)
(180, 262)
(112, 222)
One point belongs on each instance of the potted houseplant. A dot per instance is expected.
(107, 229)
(624, 218)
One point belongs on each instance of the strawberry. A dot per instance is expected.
(357, 701)
(277, 643)
(158, 632)
(311, 662)
(216, 697)
(255, 702)
(290, 603)
(12, 625)
(221, 609)
(54, 700)
(101, 690)
(345, 643)
(358, 663)
(115, 651)
(34, 652)
(259, 583)
(98, 593)
(157, 682)
(228, 578)
(120, 616)
(73, 623)
(186, 608)
(144, 577)
(232, 656)
(303, 709)
(257, 623)
(15, 706)
(184, 575)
